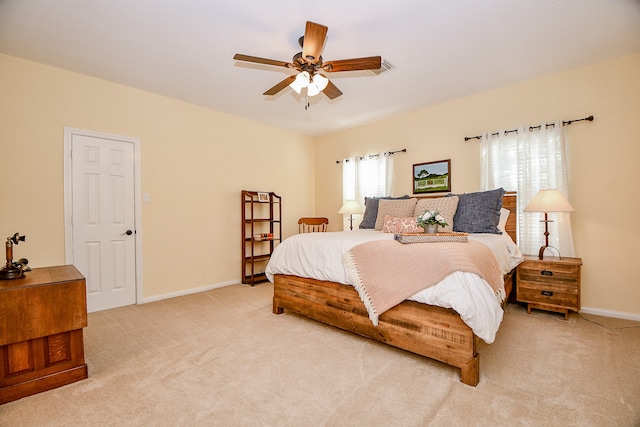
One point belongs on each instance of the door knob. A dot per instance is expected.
(128, 233)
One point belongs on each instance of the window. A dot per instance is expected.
(368, 176)
(526, 161)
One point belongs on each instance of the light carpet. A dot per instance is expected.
(222, 358)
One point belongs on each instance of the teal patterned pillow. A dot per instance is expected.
(478, 212)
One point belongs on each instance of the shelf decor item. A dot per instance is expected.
(548, 201)
(430, 220)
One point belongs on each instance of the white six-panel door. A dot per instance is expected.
(103, 219)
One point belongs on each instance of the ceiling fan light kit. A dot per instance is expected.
(314, 85)
(309, 62)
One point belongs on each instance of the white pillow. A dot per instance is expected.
(504, 215)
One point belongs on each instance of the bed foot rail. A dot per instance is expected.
(470, 372)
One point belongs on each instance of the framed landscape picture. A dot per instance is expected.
(432, 177)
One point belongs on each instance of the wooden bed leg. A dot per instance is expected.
(470, 373)
(276, 308)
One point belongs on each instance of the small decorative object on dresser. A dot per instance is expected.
(14, 270)
(552, 284)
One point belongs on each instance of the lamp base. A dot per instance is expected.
(351, 222)
(544, 248)
(8, 273)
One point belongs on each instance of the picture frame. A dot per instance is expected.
(263, 197)
(432, 177)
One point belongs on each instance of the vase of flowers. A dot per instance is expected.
(430, 220)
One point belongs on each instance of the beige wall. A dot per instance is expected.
(194, 162)
(604, 162)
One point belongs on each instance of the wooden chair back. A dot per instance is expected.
(312, 224)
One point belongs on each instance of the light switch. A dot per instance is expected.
(146, 198)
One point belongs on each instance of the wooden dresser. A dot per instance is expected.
(41, 339)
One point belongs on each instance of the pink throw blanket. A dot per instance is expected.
(386, 272)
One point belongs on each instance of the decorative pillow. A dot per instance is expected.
(447, 206)
(479, 212)
(371, 210)
(400, 208)
(394, 224)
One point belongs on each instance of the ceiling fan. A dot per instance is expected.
(309, 64)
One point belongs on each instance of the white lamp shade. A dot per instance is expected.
(549, 201)
(321, 81)
(301, 81)
(351, 207)
(312, 89)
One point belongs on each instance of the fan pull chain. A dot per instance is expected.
(306, 102)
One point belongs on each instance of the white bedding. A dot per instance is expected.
(319, 256)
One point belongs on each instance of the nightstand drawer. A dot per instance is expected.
(546, 272)
(559, 294)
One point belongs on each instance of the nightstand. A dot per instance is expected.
(551, 284)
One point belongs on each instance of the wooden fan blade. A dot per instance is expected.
(332, 91)
(369, 63)
(314, 36)
(283, 84)
(255, 59)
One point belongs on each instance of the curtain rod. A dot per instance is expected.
(531, 128)
(371, 156)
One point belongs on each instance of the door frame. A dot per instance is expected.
(68, 199)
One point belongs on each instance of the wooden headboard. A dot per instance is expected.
(510, 202)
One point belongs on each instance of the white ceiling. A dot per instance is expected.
(441, 50)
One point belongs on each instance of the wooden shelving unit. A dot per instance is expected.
(261, 232)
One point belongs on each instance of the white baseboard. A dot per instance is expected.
(585, 310)
(610, 313)
(190, 291)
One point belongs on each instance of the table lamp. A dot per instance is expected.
(548, 201)
(351, 207)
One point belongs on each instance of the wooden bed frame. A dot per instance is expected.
(430, 331)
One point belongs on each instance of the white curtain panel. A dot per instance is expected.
(367, 176)
(531, 159)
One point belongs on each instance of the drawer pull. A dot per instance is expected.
(546, 273)
(547, 293)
